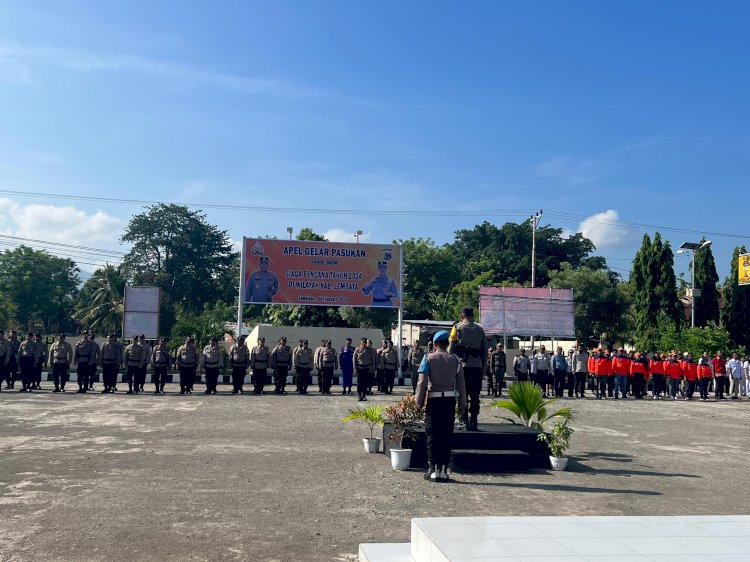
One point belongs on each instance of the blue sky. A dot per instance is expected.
(603, 114)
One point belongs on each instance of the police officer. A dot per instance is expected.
(187, 363)
(134, 362)
(365, 367)
(146, 360)
(259, 364)
(327, 363)
(160, 359)
(346, 356)
(379, 372)
(5, 353)
(468, 341)
(60, 357)
(93, 360)
(41, 360)
(375, 362)
(281, 360)
(440, 387)
(262, 285)
(239, 360)
(302, 360)
(10, 374)
(498, 369)
(389, 364)
(82, 357)
(110, 360)
(212, 360)
(415, 360)
(27, 360)
(316, 361)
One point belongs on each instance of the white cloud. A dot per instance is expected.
(603, 229)
(341, 235)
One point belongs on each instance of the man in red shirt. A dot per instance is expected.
(621, 370)
(719, 367)
(704, 375)
(639, 372)
(657, 375)
(690, 372)
(673, 373)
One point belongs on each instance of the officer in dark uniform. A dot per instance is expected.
(363, 363)
(328, 361)
(468, 341)
(389, 364)
(93, 360)
(281, 359)
(5, 353)
(497, 370)
(27, 360)
(12, 371)
(440, 387)
(259, 364)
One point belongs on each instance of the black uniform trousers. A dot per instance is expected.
(10, 373)
(380, 379)
(541, 378)
(60, 374)
(160, 377)
(363, 380)
(473, 378)
(559, 375)
(134, 372)
(703, 386)
(689, 388)
(389, 377)
(521, 377)
(657, 382)
(580, 384)
(3, 368)
(109, 375)
(187, 378)
(303, 378)
(27, 371)
(38, 373)
(238, 377)
(259, 379)
(212, 378)
(279, 378)
(82, 374)
(92, 376)
(606, 385)
(638, 387)
(327, 374)
(719, 386)
(438, 422)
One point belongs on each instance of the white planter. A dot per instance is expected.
(558, 463)
(400, 458)
(372, 445)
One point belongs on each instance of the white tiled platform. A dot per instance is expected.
(724, 538)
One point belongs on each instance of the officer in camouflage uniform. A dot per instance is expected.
(239, 359)
(281, 360)
(212, 360)
(468, 341)
(5, 353)
(187, 363)
(60, 357)
(110, 360)
(439, 389)
(41, 360)
(82, 358)
(389, 364)
(160, 359)
(259, 357)
(302, 360)
(27, 362)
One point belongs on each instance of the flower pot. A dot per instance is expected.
(372, 445)
(400, 458)
(558, 463)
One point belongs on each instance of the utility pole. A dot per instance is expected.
(534, 222)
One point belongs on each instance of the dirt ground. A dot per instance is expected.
(267, 478)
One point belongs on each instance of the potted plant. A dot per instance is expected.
(372, 416)
(527, 403)
(558, 441)
(402, 419)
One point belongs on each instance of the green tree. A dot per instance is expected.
(41, 288)
(735, 310)
(600, 305)
(645, 303)
(430, 272)
(100, 302)
(671, 310)
(310, 235)
(212, 321)
(710, 338)
(175, 249)
(7, 310)
(706, 280)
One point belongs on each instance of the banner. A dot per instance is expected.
(321, 273)
(743, 269)
(522, 311)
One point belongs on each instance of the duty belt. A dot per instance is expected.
(328, 363)
(188, 364)
(390, 364)
(212, 363)
(303, 364)
(109, 362)
(442, 394)
(83, 356)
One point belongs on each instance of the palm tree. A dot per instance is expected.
(101, 306)
(527, 403)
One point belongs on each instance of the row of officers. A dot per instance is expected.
(86, 356)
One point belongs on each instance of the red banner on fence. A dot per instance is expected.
(321, 273)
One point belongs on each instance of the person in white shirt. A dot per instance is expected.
(734, 370)
(746, 369)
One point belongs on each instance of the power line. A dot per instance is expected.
(87, 249)
(69, 256)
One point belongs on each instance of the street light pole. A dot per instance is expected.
(289, 229)
(534, 221)
(357, 235)
(693, 247)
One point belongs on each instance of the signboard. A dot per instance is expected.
(321, 273)
(523, 311)
(141, 312)
(743, 268)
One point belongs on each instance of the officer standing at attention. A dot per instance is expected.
(41, 360)
(281, 359)
(10, 374)
(239, 359)
(160, 359)
(415, 360)
(93, 360)
(133, 361)
(110, 359)
(316, 355)
(262, 285)
(302, 360)
(346, 356)
(259, 365)
(60, 357)
(498, 369)
(389, 364)
(212, 359)
(375, 361)
(440, 387)
(146, 360)
(187, 363)
(327, 363)
(365, 369)
(5, 353)
(379, 372)
(27, 362)
(82, 357)
(468, 341)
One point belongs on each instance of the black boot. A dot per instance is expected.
(430, 469)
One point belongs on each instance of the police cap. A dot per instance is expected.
(442, 335)
(382, 264)
(264, 259)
